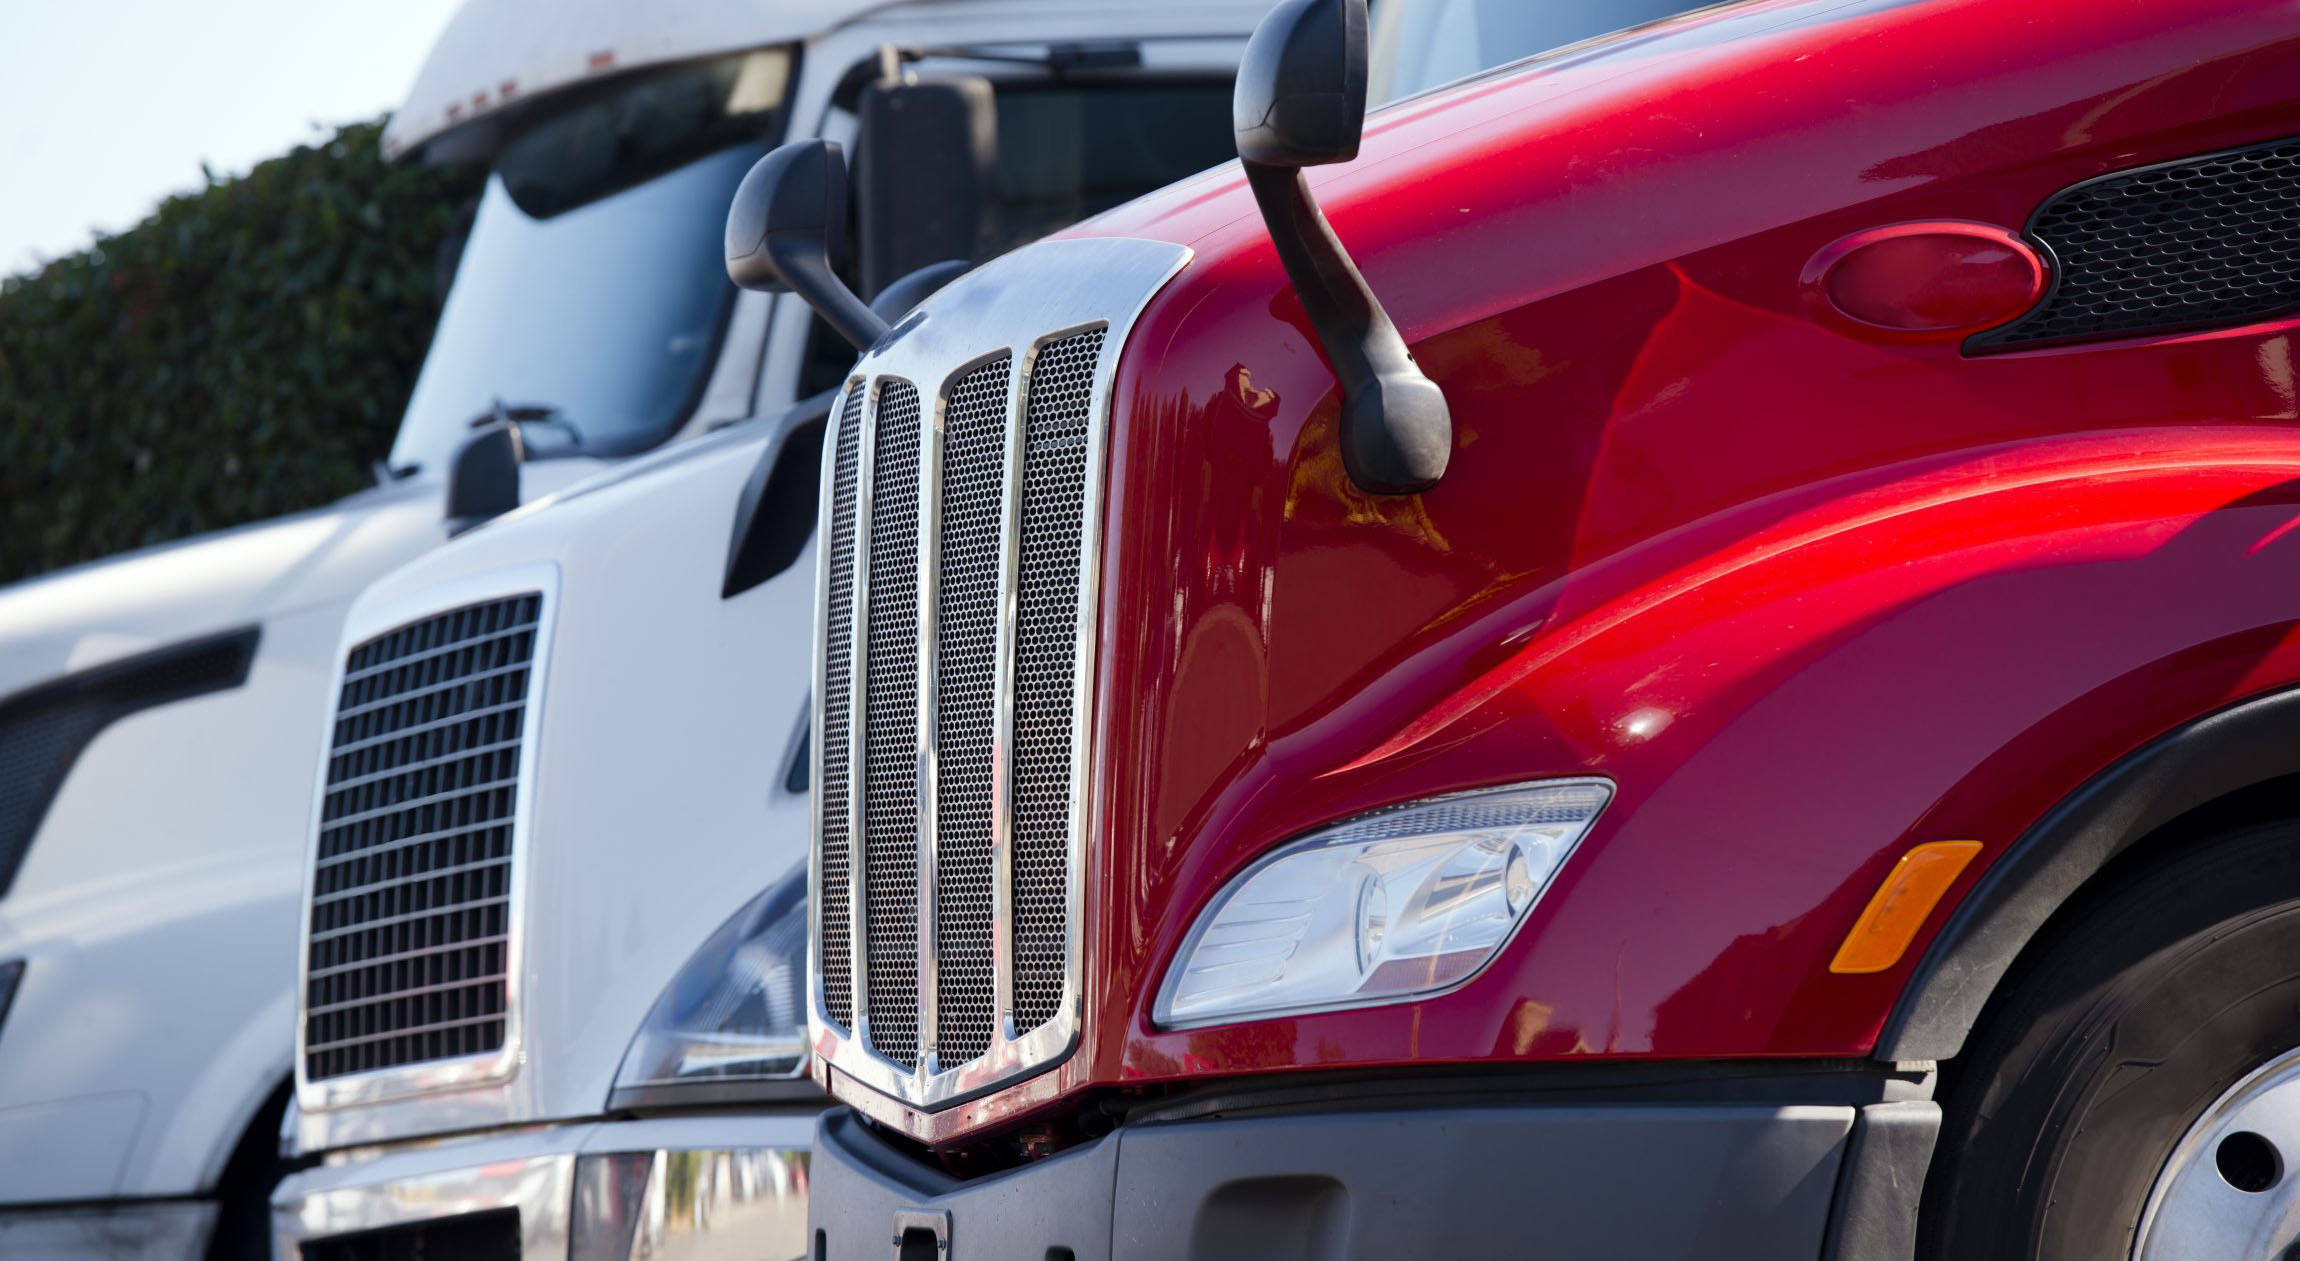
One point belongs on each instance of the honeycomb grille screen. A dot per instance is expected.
(1046, 667)
(973, 511)
(890, 731)
(411, 888)
(2211, 241)
(838, 696)
(966, 704)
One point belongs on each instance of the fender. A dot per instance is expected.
(2243, 746)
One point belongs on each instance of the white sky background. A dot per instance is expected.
(108, 106)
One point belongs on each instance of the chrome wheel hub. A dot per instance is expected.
(2231, 1191)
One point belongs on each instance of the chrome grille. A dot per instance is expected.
(966, 707)
(958, 584)
(890, 731)
(838, 699)
(410, 898)
(1046, 665)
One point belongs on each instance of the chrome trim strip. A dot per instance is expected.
(933, 420)
(1002, 720)
(1069, 287)
(858, 698)
(502, 1064)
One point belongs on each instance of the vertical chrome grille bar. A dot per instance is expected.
(1002, 718)
(834, 721)
(858, 957)
(926, 900)
(890, 748)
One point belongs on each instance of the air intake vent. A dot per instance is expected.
(411, 887)
(959, 583)
(939, 533)
(2202, 243)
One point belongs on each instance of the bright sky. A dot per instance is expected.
(107, 106)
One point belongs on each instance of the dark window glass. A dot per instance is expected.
(591, 291)
(1069, 152)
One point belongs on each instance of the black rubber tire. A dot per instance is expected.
(2146, 1003)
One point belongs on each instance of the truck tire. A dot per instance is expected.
(2162, 1021)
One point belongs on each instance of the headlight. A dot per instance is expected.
(1400, 903)
(736, 1013)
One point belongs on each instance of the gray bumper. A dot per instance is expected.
(1629, 1182)
(702, 1187)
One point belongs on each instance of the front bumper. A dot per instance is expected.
(665, 1189)
(1630, 1182)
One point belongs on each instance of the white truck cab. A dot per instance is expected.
(552, 944)
(157, 709)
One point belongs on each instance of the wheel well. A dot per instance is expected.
(2236, 766)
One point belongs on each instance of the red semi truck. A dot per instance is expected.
(1773, 730)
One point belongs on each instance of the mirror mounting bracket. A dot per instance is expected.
(1301, 102)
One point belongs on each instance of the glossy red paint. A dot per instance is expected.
(1808, 597)
(1936, 280)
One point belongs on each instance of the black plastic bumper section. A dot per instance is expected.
(1624, 1181)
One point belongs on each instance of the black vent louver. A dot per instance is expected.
(2204, 242)
(44, 729)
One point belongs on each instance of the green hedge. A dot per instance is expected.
(243, 353)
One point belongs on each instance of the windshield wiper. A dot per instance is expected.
(523, 415)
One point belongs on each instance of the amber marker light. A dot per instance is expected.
(1910, 892)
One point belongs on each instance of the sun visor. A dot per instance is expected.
(498, 54)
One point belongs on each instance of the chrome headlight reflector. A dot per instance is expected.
(1398, 904)
(736, 1012)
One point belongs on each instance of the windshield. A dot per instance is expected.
(1421, 44)
(591, 292)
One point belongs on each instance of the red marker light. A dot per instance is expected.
(1936, 280)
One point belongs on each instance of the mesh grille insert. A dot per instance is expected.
(890, 730)
(966, 624)
(1055, 440)
(838, 697)
(2210, 241)
(410, 895)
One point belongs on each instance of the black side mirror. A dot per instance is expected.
(938, 133)
(483, 479)
(1301, 101)
(786, 220)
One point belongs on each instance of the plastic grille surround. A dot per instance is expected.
(966, 705)
(1053, 521)
(890, 731)
(410, 894)
(837, 700)
(2204, 242)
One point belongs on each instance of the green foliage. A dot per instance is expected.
(244, 352)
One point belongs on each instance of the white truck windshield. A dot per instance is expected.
(591, 293)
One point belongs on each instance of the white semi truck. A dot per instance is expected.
(157, 710)
(553, 945)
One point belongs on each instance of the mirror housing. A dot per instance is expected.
(938, 133)
(483, 479)
(787, 218)
(1301, 94)
(1300, 102)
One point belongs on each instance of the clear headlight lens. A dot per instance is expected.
(737, 1012)
(1396, 904)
